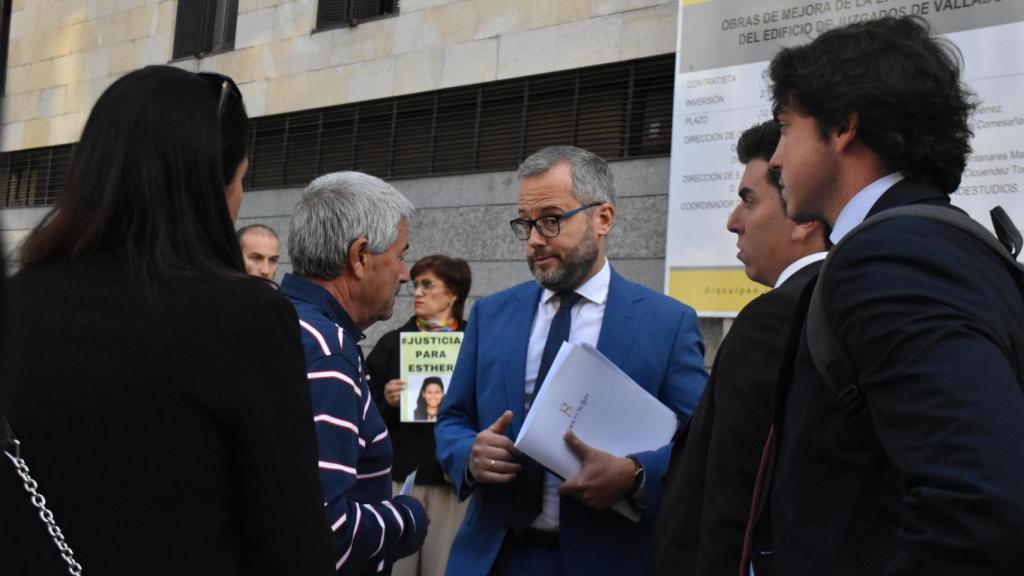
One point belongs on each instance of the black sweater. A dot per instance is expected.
(170, 433)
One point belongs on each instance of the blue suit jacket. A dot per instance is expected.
(651, 337)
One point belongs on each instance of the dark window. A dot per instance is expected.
(620, 110)
(5, 33)
(204, 27)
(338, 13)
(33, 177)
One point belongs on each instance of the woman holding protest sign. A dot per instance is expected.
(439, 288)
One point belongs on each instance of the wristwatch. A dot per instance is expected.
(638, 475)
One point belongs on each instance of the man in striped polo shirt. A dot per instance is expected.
(347, 243)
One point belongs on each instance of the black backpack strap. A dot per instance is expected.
(1006, 231)
(827, 354)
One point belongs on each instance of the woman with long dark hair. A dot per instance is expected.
(158, 392)
(428, 402)
(439, 287)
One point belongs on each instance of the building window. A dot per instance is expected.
(5, 32)
(619, 110)
(33, 177)
(204, 27)
(338, 13)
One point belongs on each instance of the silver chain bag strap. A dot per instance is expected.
(8, 441)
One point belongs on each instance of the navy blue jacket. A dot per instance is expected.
(929, 317)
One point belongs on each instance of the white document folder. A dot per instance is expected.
(588, 394)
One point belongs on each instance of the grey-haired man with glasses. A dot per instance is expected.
(523, 520)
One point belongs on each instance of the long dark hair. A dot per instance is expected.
(421, 403)
(903, 84)
(147, 178)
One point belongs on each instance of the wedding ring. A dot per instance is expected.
(492, 462)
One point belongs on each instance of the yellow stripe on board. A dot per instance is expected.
(692, 2)
(713, 291)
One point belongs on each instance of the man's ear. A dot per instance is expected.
(808, 232)
(845, 135)
(604, 218)
(358, 255)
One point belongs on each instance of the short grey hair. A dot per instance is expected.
(591, 178)
(336, 210)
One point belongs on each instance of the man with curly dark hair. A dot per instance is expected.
(928, 476)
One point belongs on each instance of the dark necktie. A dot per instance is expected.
(528, 488)
(755, 502)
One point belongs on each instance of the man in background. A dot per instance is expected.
(714, 462)
(260, 250)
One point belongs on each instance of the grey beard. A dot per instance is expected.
(577, 264)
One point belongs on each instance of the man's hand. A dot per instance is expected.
(422, 499)
(603, 479)
(490, 459)
(393, 392)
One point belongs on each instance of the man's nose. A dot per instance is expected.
(733, 223)
(536, 238)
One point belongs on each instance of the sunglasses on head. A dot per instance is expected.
(227, 86)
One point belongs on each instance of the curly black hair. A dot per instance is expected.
(758, 141)
(901, 82)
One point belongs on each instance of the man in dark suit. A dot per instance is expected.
(521, 520)
(927, 477)
(707, 494)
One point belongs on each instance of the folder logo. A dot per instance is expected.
(566, 409)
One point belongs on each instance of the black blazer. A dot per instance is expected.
(931, 479)
(413, 441)
(171, 432)
(710, 479)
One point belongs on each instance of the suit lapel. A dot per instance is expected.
(619, 327)
(518, 320)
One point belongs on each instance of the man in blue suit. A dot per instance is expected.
(523, 520)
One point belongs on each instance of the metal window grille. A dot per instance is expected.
(204, 26)
(618, 111)
(338, 13)
(621, 110)
(33, 177)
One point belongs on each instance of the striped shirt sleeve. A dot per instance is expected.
(368, 534)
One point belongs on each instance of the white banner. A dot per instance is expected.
(723, 51)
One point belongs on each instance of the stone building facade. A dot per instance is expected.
(61, 55)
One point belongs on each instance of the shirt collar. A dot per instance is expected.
(798, 265)
(298, 288)
(594, 290)
(858, 207)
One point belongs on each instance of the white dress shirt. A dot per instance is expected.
(587, 317)
(858, 207)
(798, 265)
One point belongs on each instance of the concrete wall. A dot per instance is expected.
(64, 53)
(467, 216)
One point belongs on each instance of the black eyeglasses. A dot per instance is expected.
(227, 86)
(547, 226)
(426, 285)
